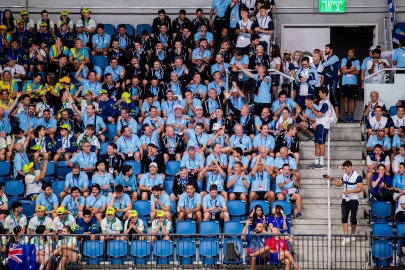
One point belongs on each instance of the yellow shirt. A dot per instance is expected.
(4, 105)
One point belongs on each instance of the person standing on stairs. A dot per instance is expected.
(352, 184)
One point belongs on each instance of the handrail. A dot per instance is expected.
(383, 70)
(272, 70)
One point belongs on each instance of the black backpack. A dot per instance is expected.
(232, 252)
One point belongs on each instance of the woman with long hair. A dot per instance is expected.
(9, 21)
(43, 246)
(294, 67)
(88, 24)
(278, 219)
(381, 188)
(257, 216)
(275, 63)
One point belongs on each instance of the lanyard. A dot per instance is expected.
(190, 203)
(73, 181)
(213, 181)
(260, 177)
(347, 180)
(130, 143)
(213, 203)
(98, 39)
(264, 25)
(95, 202)
(288, 141)
(189, 163)
(84, 160)
(18, 219)
(236, 138)
(261, 140)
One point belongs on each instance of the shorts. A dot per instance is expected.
(237, 195)
(171, 156)
(320, 134)
(129, 158)
(274, 258)
(350, 91)
(261, 194)
(215, 216)
(275, 80)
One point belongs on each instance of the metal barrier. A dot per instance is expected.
(191, 251)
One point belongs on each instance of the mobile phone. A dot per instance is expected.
(325, 175)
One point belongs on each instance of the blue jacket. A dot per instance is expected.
(331, 68)
(312, 80)
(107, 109)
(82, 227)
(72, 144)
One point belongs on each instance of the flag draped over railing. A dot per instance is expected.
(22, 257)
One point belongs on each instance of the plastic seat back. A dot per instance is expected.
(163, 251)
(209, 228)
(262, 203)
(209, 251)
(186, 251)
(117, 251)
(93, 251)
(140, 251)
(233, 228)
(236, 209)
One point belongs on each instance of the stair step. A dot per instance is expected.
(318, 173)
(335, 143)
(317, 212)
(321, 193)
(336, 153)
(309, 221)
(317, 181)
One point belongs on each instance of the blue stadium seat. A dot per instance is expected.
(236, 209)
(129, 29)
(163, 251)
(200, 185)
(28, 208)
(93, 252)
(393, 111)
(286, 206)
(58, 186)
(5, 171)
(400, 228)
(117, 251)
(168, 186)
(262, 203)
(380, 211)
(209, 251)
(111, 131)
(239, 244)
(141, 27)
(143, 209)
(185, 251)
(233, 228)
(62, 170)
(382, 253)
(136, 166)
(172, 167)
(209, 228)
(14, 188)
(50, 170)
(140, 251)
(173, 209)
(186, 227)
(109, 29)
(103, 148)
(100, 61)
(382, 231)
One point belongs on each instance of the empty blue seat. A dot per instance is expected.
(14, 188)
(58, 186)
(163, 251)
(186, 251)
(62, 171)
(93, 252)
(173, 209)
(28, 208)
(233, 228)
(117, 251)
(100, 61)
(103, 148)
(168, 186)
(209, 228)
(262, 203)
(109, 29)
(393, 111)
(286, 206)
(5, 171)
(239, 244)
(200, 185)
(382, 252)
(143, 209)
(172, 167)
(236, 209)
(186, 227)
(380, 211)
(209, 251)
(382, 230)
(141, 27)
(111, 131)
(140, 251)
(136, 166)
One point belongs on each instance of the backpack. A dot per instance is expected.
(232, 252)
(332, 118)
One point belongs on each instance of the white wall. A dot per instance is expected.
(389, 93)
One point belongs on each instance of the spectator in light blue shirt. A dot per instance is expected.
(192, 160)
(148, 180)
(202, 52)
(264, 139)
(398, 59)
(48, 199)
(198, 138)
(128, 180)
(85, 159)
(100, 42)
(120, 201)
(214, 175)
(203, 33)
(159, 200)
(198, 89)
(115, 70)
(76, 178)
(238, 183)
(96, 203)
(129, 144)
(381, 139)
(189, 104)
(214, 205)
(74, 203)
(190, 204)
(282, 102)
(103, 178)
(237, 156)
(154, 120)
(217, 155)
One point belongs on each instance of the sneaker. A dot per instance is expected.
(345, 241)
(319, 166)
(346, 119)
(299, 215)
(313, 165)
(351, 119)
(352, 238)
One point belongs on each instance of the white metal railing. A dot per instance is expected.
(382, 70)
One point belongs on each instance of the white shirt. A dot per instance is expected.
(33, 187)
(244, 38)
(17, 69)
(395, 164)
(378, 78)
(399, 208)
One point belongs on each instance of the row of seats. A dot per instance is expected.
(130, 29)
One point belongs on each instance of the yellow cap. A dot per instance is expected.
(133, 213)
(41, 208)
(103, 92)
(24, 12)
(41, 92)
(36, 147)
(86, 10)
(65, 79)
(61, 23)
(60, 210)
(160, 213)
(88, 92)
(65, 126)
(64, 13)
(43, 24)
(27, 167)
(3, 27)
(110, 211)
(20, 21)
(126, 97)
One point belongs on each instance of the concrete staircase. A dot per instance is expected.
(346, 144)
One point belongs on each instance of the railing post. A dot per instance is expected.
(329, 211)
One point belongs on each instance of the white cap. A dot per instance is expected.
(216, 126)
(153, 164)
(372, 48)
(198, 107)
(79, 24)
(178, 106)
(233, 90)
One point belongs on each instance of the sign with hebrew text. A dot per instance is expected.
(332, 6)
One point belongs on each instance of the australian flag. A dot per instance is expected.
(22, 257)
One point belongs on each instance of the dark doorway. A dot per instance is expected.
(360, 37)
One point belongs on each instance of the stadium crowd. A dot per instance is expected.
(196, 91)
